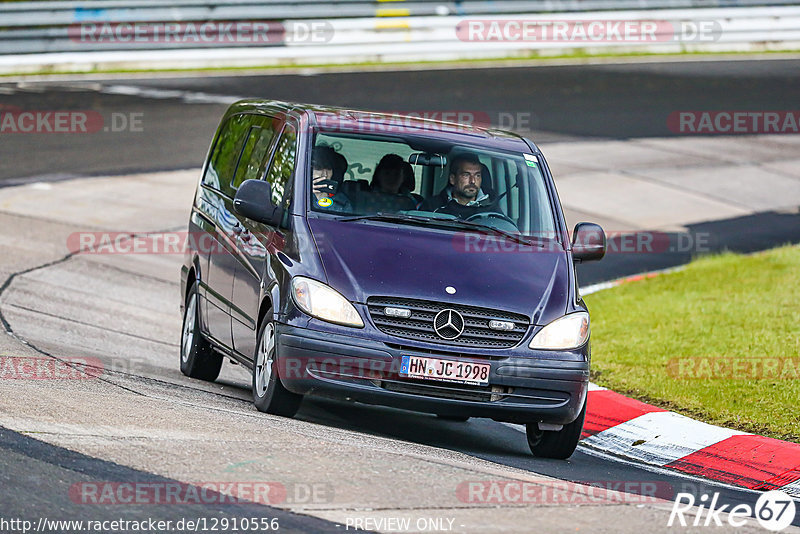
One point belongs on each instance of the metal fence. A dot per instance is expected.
(120, 34)
(57, 26)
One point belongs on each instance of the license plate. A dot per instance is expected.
(445, 370)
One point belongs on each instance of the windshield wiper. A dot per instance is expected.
(380, 216)
(485, 228)
(441, 221)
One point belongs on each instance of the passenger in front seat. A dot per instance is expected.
(324, 186)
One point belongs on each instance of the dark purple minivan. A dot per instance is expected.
(388, 260)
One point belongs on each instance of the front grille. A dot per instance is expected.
(420, 325)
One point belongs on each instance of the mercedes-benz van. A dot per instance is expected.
(388, 260)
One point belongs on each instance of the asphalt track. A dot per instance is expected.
(611, 101)
(552, 103)
(29, 464)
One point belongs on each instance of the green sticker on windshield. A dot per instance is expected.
(531, 160)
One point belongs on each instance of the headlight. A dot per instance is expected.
(323, 302)
(568, 332)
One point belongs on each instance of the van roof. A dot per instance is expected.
(345, 119)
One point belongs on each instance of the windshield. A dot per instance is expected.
(361, 175)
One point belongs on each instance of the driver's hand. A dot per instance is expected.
(320, 189)
(319, 176)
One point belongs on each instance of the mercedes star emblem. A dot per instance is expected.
(448, 324)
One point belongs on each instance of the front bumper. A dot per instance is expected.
(521, 389)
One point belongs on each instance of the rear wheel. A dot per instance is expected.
(269, 395)
(556, 444)
(198, 358)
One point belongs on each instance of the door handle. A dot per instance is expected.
(237, 228)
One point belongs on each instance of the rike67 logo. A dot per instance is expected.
(774, 510)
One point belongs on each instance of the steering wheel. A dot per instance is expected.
(492, 215)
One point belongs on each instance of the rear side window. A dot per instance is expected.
(283, 165)
(253, 160)
(222, 166)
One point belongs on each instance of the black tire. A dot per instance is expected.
(269, 394)
(198, 358)
(556, 444)
(453, 418)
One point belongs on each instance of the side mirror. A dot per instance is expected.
(588, 242)
(254, 200)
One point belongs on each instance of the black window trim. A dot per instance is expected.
(221, 128)
(288, 190)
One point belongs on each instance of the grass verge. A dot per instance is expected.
(718, 341)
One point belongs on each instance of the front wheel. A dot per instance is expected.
(269, 395)
(556, 444)
(198, 358)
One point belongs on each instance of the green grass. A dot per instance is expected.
(659, 340)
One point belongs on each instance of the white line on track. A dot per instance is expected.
(189, 97)
(594, 288)
(155, 93)
(659, 438)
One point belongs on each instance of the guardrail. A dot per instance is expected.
(192, 33)
(36, 27)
